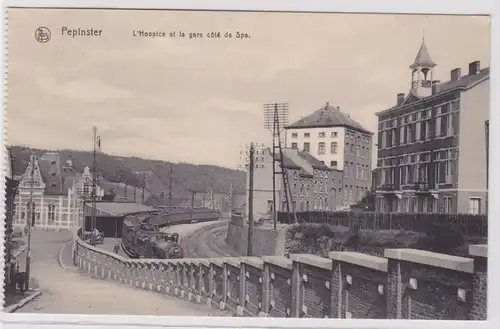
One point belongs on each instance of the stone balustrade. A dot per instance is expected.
(404, 284)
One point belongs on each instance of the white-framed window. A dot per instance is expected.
(406, 204)
(425, 205)
(380, 200)
(51, 212)
(333, 148)
(431, 205)
(321, 148)
(447, 204)
(414, 204)
(475, 206)
(295, 135)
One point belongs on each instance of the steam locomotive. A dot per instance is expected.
(140, 239)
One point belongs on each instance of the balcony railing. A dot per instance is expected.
(422, 187)
(388, 187)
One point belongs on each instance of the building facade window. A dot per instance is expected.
(333, 148)
(294, 135)
(475, 206)
(414, 204)
(321, 148)
(294, 145)
(334, 134)
(447, 204)
(321, 134)
(406, 204)
(307, 135)
(307, 147)
(333, 164)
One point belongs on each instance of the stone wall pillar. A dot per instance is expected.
(277, 284)
(479, 282)
(296, 289)
(336, 290)
(311, 276)
(420, 280)
(362, 276)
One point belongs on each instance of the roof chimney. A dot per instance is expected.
(327, 104)
(400, 99)
(436, 87)
(455, 74)
(474, 67)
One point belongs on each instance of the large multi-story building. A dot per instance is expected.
(313, 185)
(59, 193)
(431, 145)
(340, 143)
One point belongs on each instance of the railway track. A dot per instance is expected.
(208, 242)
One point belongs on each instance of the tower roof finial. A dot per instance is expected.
(423, 28)
(423, 59)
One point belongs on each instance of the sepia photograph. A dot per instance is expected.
(246, 164)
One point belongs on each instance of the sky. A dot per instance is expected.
(200, 100)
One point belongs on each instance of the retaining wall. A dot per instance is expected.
(266, 241)
(405, 284)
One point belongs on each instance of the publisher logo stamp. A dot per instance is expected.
(42, 34)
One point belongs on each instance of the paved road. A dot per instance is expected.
(71, 291)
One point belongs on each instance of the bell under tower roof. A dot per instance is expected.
(423, 59)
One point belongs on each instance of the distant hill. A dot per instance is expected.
(134, 171)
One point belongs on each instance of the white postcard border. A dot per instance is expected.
(487, 7)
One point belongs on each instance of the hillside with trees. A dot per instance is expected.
(154, 175)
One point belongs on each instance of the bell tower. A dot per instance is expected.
(422, 73)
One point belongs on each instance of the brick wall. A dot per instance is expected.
(404, 284)
(359, 285)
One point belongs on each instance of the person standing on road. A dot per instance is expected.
(116, 248)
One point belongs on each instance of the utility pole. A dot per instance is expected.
(250, 199)
(275, 119)
(230, 200)
(143, 186)
(275, 129)
(487, 143)
(94, 187)
(170, 188)
(30, 220)
(193, 192)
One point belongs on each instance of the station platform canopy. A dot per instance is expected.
(118, 209)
